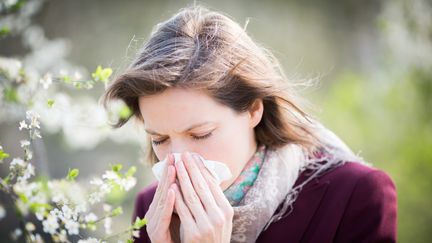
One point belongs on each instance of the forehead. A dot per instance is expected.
(177, 108)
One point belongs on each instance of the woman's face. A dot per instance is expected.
(181, 120)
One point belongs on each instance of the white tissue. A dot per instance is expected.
(219, 170)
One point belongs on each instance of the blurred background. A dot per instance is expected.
(373, 60)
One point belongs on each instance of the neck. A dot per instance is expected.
(252, 148)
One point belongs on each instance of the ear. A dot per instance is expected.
(255, 112)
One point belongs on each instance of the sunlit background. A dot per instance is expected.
(373, 60)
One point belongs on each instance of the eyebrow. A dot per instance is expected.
(187, 130)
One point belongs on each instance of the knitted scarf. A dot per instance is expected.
(268, 179)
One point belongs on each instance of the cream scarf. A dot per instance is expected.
(274, 183)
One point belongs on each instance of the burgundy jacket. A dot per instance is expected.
(351, 203)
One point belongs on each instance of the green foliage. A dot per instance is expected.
(125, 112)
(50, 103)
(393, 123)
(3, 155)
(4, 31)
(139, 223)
(117, 211)
(10, 95)
(102, 74)
(117, 167)
(72, 174)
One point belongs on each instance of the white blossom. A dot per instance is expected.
(95, 197)
(80, 208)
(67, 212)
(96, 182)
(36, 238)
(33, 117)
(77, 75)
(63, 236)
(29, 155)
(24, 143)
(106, 207)
(23, 125)
(36, 134)
(11, 67)
(72, 227)
(59, 198)
(110, 175)
(50, 225)
(40, 215)
(46, 81)
(27, 173)
(91, 217)
(107, 225)
(127, 183)
(16, 164)
(136, 233)
(30, 227)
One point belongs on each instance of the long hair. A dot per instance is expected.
(206, 50)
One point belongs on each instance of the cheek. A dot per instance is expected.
(160, 152)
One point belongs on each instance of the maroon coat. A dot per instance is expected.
(352, 203)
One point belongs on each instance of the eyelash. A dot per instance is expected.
(194, 137)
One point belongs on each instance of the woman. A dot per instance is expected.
(200, 85)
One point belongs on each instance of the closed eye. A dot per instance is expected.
(155, 142)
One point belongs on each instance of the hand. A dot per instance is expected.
(161, 208)
(205, 213)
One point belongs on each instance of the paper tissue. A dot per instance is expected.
(218, 169)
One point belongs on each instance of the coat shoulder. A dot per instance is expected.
(356, 175)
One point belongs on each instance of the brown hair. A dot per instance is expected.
(206, 50)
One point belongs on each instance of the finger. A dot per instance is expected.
(214, 187)
(191, 199)
(199, 183)
(182, 209)
(164, 193)
(160, 195)
(164, 176)
(164, 218)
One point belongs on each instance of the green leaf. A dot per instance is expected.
(10, 95)
(117, 211)
(131, 171)
(117, 167)
(23, 197)
(72, 174)
(35, 207)
(66, 79)
(125, 112)
(4, 31)
(3, 155)
(18, 5)
(102, 74)
(139, 223)
(50, 103)
(91, 226)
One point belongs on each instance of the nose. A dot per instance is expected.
(179, 147)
